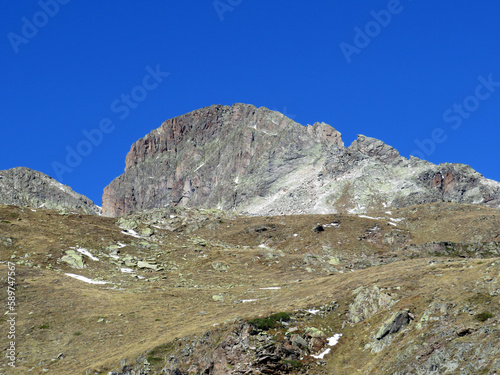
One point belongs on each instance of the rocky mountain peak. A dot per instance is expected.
(25, 187)
(374, 148)
(259, 162)
(217, 156)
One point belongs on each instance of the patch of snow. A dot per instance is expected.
(331, 225)
(131, 232)
(42, 205)
(85, 279)
(120, 245)
(322, 355)
(334, 340)
(199, 167)
(271, 288)
(396, 220)
(87, 253)
(32, 210)
(127, 270)
(262, 246)
(314, 312)
(367, 217)
(295, 234)
(61, 187)
(394, 224)
(248, 300)
(173, 216)
(237, 180)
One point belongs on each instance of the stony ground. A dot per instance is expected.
(410, 291)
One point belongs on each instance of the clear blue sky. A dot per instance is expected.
(400, 71)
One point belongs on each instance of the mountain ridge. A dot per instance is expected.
(259, 162)
(23, 186)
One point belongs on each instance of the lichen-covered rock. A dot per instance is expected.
(74, 259)
(368, 301)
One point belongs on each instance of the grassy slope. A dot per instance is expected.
(96, 326)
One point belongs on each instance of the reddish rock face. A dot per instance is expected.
(448, 182)
(445, 184)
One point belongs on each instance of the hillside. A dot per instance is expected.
(411, 290)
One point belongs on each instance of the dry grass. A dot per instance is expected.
(97, 326)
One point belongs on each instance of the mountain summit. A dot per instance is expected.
(259, 162)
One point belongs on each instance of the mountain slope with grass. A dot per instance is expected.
(192, 291)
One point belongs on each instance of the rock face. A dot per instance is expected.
(26, 187)
(259, 162)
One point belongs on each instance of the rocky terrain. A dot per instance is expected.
(26, 187)
(259, 162)
(192, 291)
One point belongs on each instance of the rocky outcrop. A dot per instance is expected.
(221, 157)
(259, 162)
(26, 187)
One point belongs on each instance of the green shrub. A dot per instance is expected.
(44, 326)
(271, 321)
(77, 333)
(484, 316)
(282, 316)
(154, 360)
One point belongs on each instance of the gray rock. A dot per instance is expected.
(219, 266)
(74, 259)
(142, 264)
(394, 324)
(369, 301)
(6, 241)
(26, 187)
